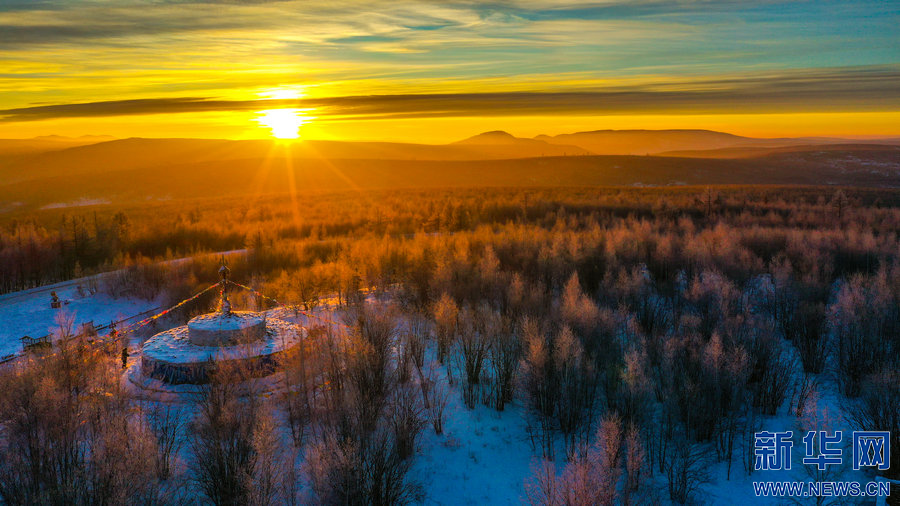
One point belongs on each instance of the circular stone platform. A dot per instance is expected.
(226, 329)
(174, 357)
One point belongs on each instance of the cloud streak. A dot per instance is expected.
(831, 90)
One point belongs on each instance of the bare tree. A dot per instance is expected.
(635, 461)
(167, 423)
(415, 340)
(538, 383)
(686, 466)
(865, 318)
(365, 472)
(504, 353)
(577, 309)
(263, 480)
(810, 339)
(438, 398)
(405, 415)
(69, 436)
(222, 439)
(594, 475)
(472, 345)
(771, 370)
(445, 316)
(876, 408)
(304, 372)
(576, 387)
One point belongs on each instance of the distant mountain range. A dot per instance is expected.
(46, 143)
(53, 171)
(518, 147)
(485, 146)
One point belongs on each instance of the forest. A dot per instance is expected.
(644, 333)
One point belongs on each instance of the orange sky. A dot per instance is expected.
(440, 71)
(441, 130)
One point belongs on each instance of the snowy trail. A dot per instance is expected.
(11, 298)
(73, 283)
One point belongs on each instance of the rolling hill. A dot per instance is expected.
(257, 176)
(644, 142)
(138, 153)
(141, 169)
(757, 151)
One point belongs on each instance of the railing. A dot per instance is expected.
(35, 342)
(89, 330)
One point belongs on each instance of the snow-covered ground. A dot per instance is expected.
(30, 313)
(486, 457)
(483, 456)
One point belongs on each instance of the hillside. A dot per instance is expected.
(46, 143)
(756, 151)
(519, 147)
(138, 169)
(140, 153)
(651, 142)
(28, 159)
(14, 151)
(251, 176)
(643, 142)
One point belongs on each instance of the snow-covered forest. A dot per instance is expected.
(493, 346)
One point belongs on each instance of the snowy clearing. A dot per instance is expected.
(32, 315)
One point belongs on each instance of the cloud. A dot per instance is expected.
(643, 55)
(838, 89)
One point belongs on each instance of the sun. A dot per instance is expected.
(283, 123)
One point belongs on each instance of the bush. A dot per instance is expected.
(405, 415)
(369, 472)
(686, 469)
(771, 370)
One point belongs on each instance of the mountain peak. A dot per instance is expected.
(492, 137)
